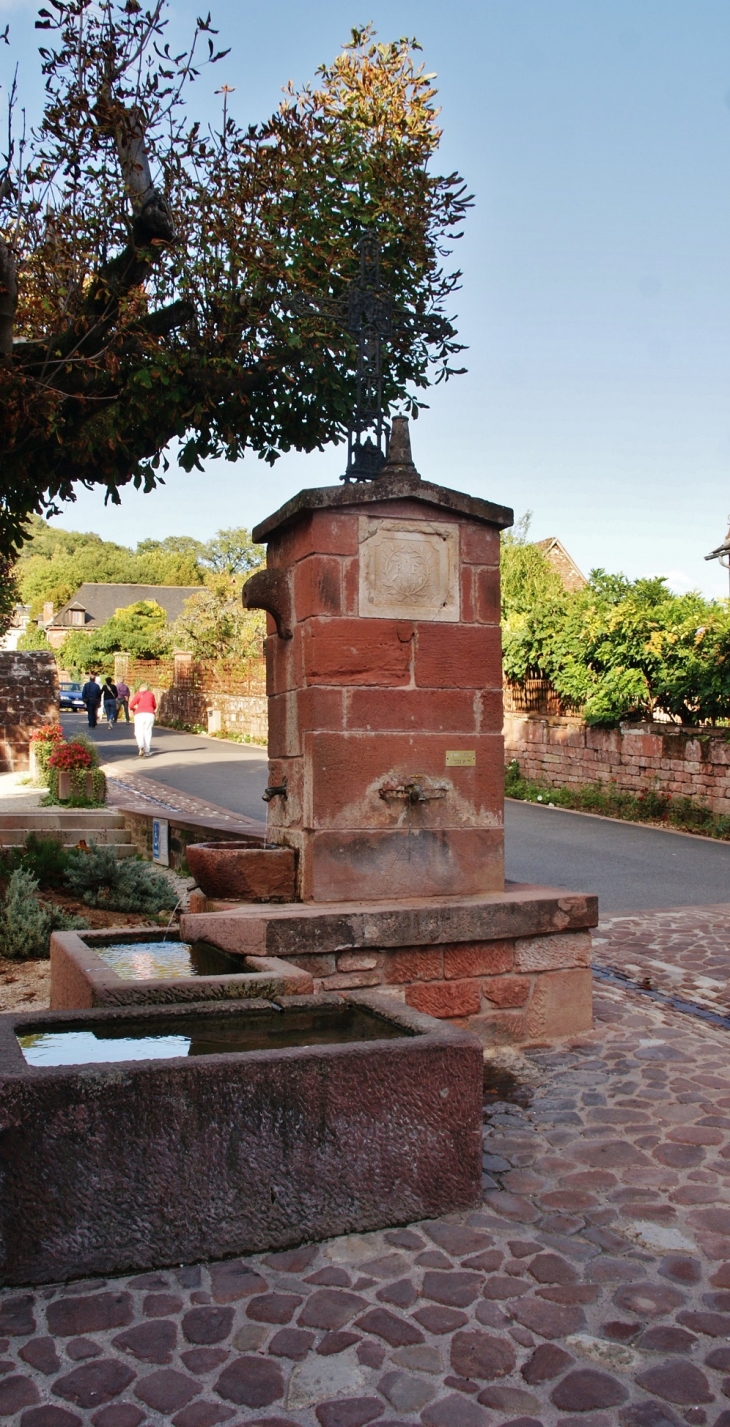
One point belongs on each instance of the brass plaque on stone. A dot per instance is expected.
(461, 758)
(409, 569)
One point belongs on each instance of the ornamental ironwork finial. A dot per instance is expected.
(370, 320)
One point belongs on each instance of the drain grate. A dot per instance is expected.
(676, 1003)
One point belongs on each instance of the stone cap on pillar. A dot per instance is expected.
(399, 480)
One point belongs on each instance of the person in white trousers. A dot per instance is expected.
(143, 705)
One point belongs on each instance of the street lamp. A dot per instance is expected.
(722, 553)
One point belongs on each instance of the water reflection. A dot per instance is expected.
(167, 960)
(188, 1035)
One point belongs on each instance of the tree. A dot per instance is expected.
(9, 594)
(527, 578)
(55, 562)
(214, 624)
(33, 637)
(140, 629)
(621, 649)
(233, 552)
(155, 279)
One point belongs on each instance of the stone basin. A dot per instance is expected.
(143, 966)
(236, 872)
(258, 1128)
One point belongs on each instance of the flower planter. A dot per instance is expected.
(84, 786)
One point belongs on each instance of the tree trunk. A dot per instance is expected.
(8, 298)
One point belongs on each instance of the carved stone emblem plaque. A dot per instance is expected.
(409, 569)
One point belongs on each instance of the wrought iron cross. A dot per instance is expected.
(370, 319)
(367, 312)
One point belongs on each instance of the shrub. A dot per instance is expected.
(613, 802)
(48, 733)
(26, 922)
(45, 741)
(46, 859)
(101, 879)
(68, 756)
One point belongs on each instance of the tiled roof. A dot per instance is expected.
(100, 602)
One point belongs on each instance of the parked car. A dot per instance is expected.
(70, 698)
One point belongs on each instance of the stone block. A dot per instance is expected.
(417, 710)
(552, 953)
(356, 777)
(507, 991)
(488, 958)
(413, 963)
(561, 1004)
(444, 999)
(322, 532)
(491, 714)
(467, 594)
(317, 586)
(350, 980)
(320, 708)
(357, 961)
(373, 863)
(479, 545)
(461, 656)
(500, 1027)
(284, 662)
(487, 596)
(284, 739)
(357, 652)
(350, 586)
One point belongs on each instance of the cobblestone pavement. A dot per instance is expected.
(139, 794)
(591, 1288)
(682, 952)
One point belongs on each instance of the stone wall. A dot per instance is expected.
(28, 699)
(681, 762)
(213, 696)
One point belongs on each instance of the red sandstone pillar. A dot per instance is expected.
(384, 688)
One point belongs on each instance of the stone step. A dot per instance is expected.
(118, 838)
(42, 818)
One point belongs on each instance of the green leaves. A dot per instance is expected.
(199, 342)
(618, 649)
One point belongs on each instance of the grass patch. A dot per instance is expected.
(649, 806)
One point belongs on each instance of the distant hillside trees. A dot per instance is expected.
(54, 563)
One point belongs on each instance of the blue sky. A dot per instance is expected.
(595, 135)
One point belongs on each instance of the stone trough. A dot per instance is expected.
(241, 1129)
(144, 967)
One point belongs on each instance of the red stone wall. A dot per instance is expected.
(357, 703)
(28, 699)
(679, 761)
(507, 991)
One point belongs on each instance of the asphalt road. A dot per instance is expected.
(630, 867)
(232, 775)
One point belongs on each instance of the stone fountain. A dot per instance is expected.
(384, 685)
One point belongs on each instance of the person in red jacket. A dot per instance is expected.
(143, 705)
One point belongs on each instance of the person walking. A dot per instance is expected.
(143, 705)
(91, 695)
(123, 698)
(109, 695)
